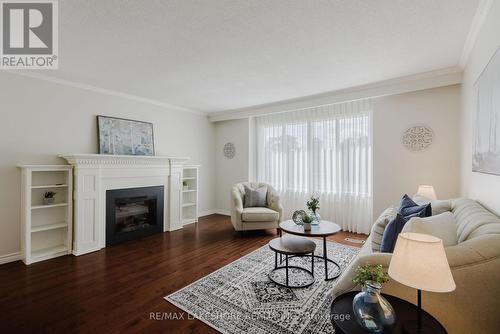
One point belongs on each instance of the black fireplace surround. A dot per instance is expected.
(133, 213)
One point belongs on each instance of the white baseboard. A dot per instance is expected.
(10, 257)
(206, 213)
(214, 212)
(223, 212)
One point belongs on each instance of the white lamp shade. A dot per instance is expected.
(419, 261)
(427, 192)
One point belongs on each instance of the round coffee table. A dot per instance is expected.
(322, 230)
(344, 321)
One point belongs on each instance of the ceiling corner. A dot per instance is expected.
(477, 22)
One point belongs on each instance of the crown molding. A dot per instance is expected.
(105, 91)
(426, 80)
(416, 82)
(477, 22)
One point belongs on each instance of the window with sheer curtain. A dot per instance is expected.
(324, 151)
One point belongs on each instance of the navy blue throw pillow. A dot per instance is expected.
(408, 207)
(392, 231)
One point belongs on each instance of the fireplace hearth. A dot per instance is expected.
(133, 213)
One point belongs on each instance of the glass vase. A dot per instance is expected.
(316, 218)
(372, 310)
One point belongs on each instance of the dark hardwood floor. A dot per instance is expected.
(118, 288)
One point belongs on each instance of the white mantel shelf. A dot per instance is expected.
(94, 174)
(107, 159)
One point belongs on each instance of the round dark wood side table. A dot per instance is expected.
(343, 319)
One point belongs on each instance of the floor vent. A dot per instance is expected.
(355, 241)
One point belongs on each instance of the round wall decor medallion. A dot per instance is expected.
(229, 150)
(418, 137)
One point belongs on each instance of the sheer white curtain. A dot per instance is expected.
(325, 151)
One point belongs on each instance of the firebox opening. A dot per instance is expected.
(133, 213)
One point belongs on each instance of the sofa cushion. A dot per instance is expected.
(260, 214)
(255, 197)
(391, 233)
(438, 206)
(442, 226)
(408, 207)
(473, 220)
(379, 227)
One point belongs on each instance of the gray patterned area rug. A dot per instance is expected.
(240, 298)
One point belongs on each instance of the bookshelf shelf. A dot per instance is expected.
(36, 207)
(49, 252)
(47, 227)
(49, 186)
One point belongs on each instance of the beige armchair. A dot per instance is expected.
(255, 218)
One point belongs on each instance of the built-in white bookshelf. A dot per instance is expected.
(46, 228)
(189, 205)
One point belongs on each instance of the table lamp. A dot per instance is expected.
(419, 261)
(427, 192)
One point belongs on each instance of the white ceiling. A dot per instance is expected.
(215, 55)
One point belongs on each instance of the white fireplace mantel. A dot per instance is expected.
(94, 174)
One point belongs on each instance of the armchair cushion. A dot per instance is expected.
(259, 214)
(255, 197)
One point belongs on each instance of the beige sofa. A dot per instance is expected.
(474, 307)
(255, 218)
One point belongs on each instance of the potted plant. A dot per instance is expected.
(185, 185)
(313, 206)
(371, 309)
(307, 220)
(48, 197)
(370, 273)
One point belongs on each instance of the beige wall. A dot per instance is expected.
(483, 187)
(396, 170)
(40, 120)
(230, 171)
